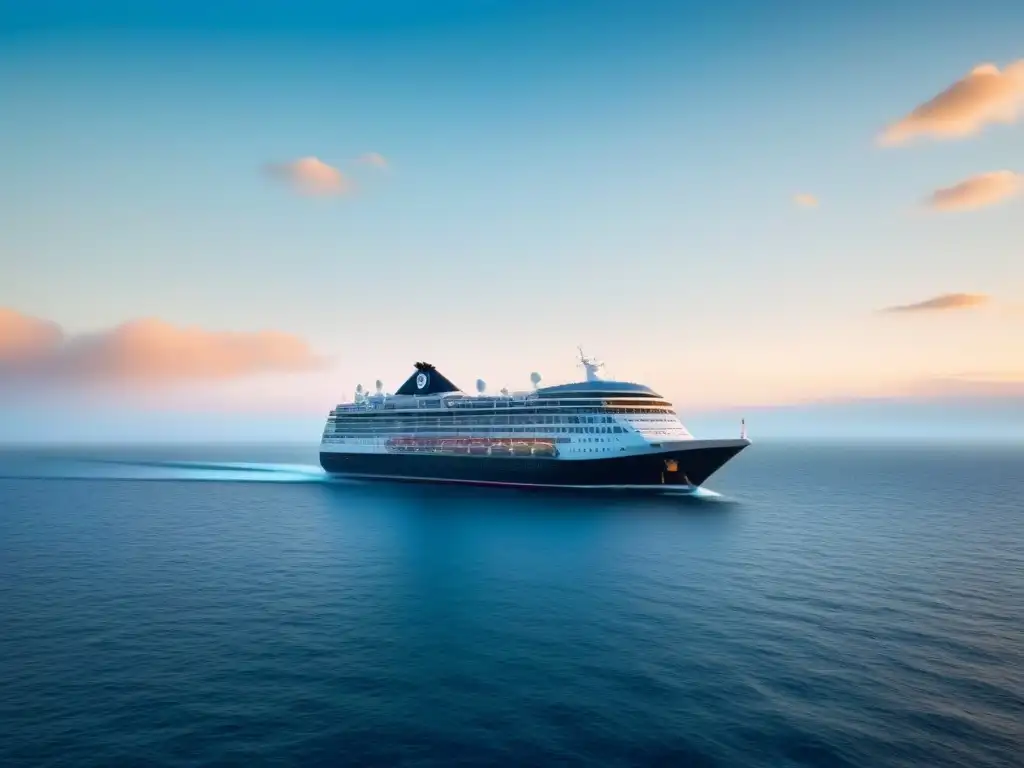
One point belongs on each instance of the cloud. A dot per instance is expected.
(311, 176)
(374, 159)
(146, 351)
(995, 384)
(805, 201)
(986, 95)
(1002, 376)
(977, 192)
(947, 301)
(26, 338)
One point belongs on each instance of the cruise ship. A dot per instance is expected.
(592, 434)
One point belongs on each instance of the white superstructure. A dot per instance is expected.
(584, 420)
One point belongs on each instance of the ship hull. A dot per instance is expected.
(685, 467)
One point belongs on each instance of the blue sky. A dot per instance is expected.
(608, 173)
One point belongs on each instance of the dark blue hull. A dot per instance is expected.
(684, 468)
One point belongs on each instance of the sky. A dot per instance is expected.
(250, 208)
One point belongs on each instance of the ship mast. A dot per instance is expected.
(590, 365)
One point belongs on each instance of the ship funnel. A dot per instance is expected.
(481, 386)
(380, 386)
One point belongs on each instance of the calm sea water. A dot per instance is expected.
(832, 606)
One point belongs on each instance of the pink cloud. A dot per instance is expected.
(311, 176)
(979, 191)
(984, 96)
(980, 384)
(373, 158)
(945, 302)
(143, 352)
(24, 338)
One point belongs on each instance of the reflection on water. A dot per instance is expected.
(69, 466)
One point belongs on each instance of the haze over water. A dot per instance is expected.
(831, 606)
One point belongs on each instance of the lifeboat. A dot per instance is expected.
(544, 449)
(500, 447)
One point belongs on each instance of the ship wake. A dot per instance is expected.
(143, 469)
(228, 471)
(139, 469)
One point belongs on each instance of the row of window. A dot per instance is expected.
(372, 409)
(490, 418)
(547, 451)
(396, 439)
(591, 402)
(474, 422)
(441, 431)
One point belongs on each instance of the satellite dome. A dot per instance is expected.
(481, 385)
(535, 378)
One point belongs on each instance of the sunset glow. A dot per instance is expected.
(220, 212)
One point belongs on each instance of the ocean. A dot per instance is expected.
(822, 605)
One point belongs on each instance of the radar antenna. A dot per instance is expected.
(590, 365)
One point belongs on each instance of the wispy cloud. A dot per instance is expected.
(375, 159)
(144, 352)
(979, 191)
(1004, 376)
(311, 176)
(945, 302)
(805, 200)
(973, 384)
(984, 96)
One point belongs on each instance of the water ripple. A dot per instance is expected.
(832, 607)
